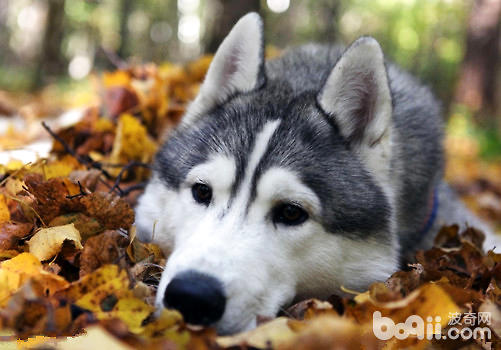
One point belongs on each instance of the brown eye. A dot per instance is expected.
(202, 193)
(289, 214)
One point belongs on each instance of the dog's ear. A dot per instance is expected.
(237, 67)
(356, 94)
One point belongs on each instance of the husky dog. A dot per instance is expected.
(290, 178)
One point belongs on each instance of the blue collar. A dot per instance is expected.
(432, 216)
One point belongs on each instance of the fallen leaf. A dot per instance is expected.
(11, 233)
(48, 241)
(95, 337)
(110, 210)
(18, 270)
(86, 226)
(105, 248)
(52, 196)
(132, 141)
(330, 332)
(4, 210)
(267, 335)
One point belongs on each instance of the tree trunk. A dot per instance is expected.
(476, 87)
(328, 19)
(125, 10)
(51, 61)
(231, 12)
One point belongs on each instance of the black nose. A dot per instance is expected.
(199, 297)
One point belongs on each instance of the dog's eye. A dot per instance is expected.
(289, 214)
(202, 193)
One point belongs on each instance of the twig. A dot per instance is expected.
(129, 166)
(83, 160)
(89, 163)
(135, 187)
(81, 194)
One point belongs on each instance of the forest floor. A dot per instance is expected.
(72, 273)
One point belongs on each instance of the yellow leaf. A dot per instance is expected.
(36, 342)
(95, 337)
(104, 124)
(106, 280)
(48, 241)
(59, 168)
(107, 293)
(4, 210)
(18, 270)
(429, 299)
(164, 324)
(267, 335)
(330, 332)
(131, 311)
(117, 78)
(198, 68)
(14, 165)
(132, 141)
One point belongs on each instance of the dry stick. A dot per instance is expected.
(99, 166)
(129, 166)
(89, 163)
(81, 194)
(136, 187)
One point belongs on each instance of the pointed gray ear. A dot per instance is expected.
(357, 95)
(237, 67)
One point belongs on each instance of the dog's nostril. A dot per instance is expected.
(199, 297)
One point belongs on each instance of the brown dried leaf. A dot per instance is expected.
(51, 196)
(111, 211)
(105, 248)
(87, 226)
(11, 233)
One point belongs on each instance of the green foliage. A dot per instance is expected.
(462, 124)
(490, 143)
(423, 36)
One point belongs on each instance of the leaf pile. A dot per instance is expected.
(70, 265)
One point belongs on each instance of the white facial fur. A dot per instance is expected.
(261, 265)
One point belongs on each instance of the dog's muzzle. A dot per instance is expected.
(199, 297)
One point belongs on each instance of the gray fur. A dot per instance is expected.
(349, 137)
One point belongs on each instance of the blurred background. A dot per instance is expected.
(52, 52)
(453, 45)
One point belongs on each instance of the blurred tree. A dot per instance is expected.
(477, 81)
(125, 10)
(328, 17)
(50, 60)
(231, 11)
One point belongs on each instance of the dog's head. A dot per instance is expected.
(277, 184)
